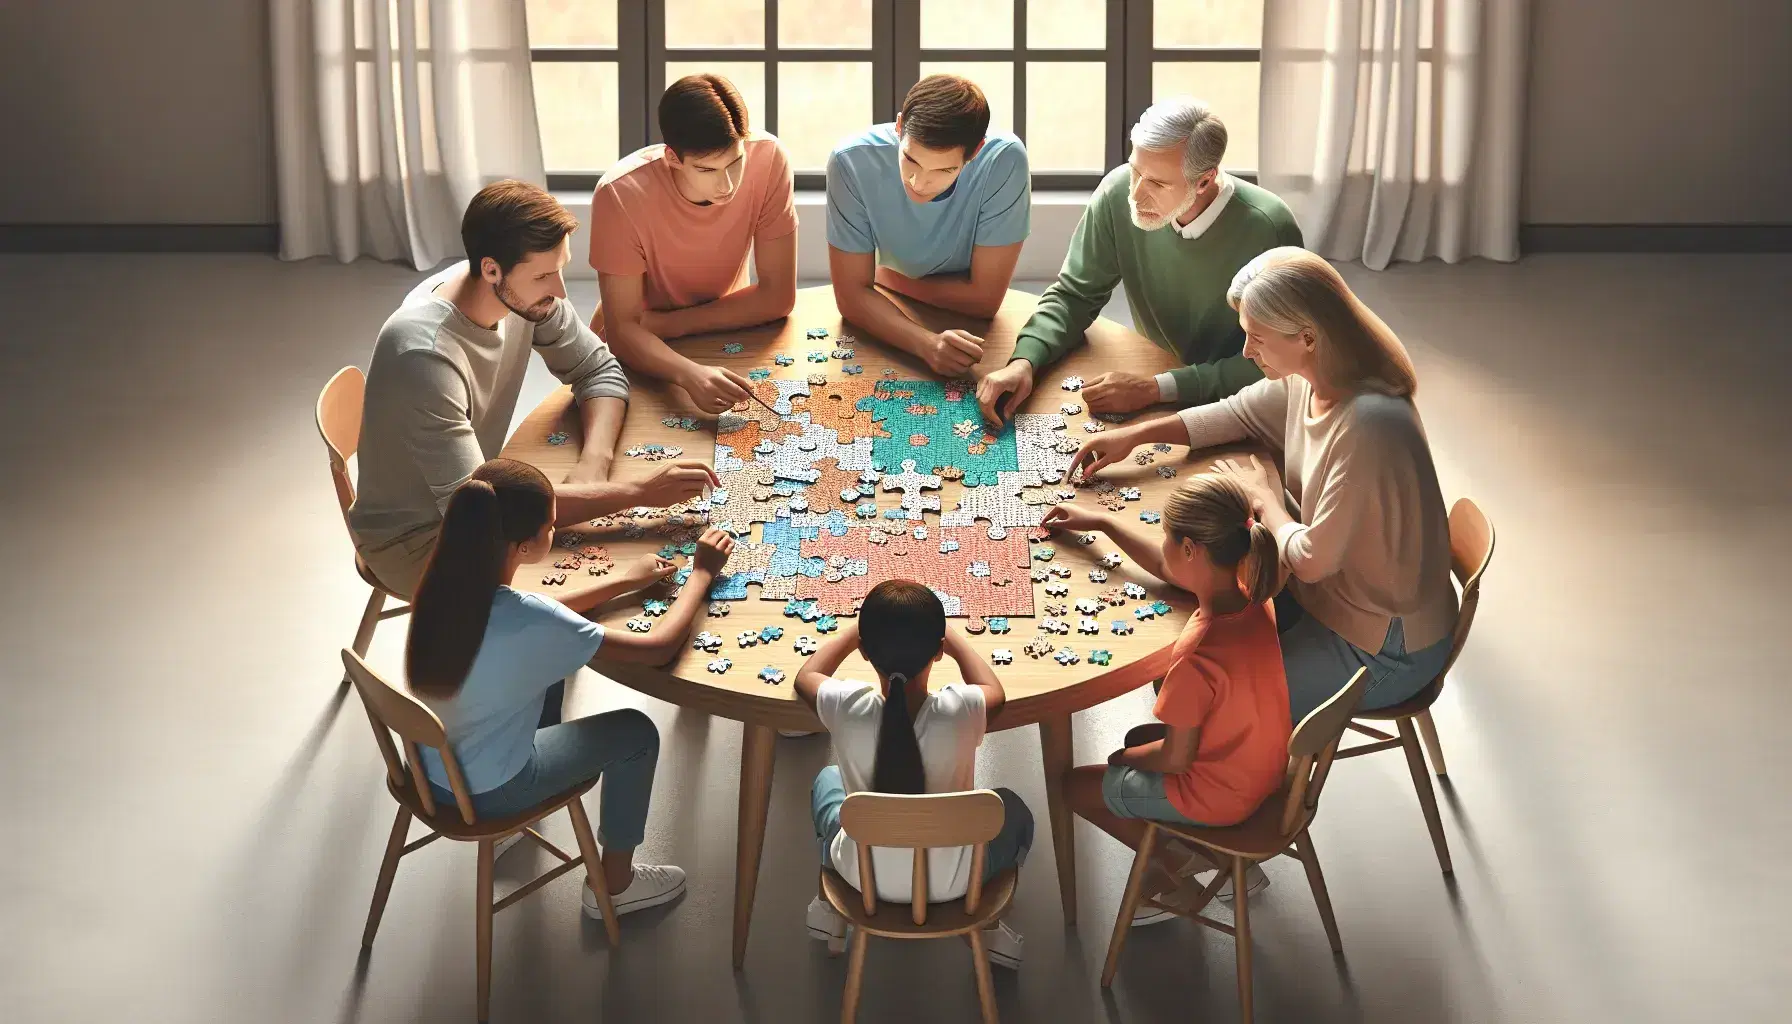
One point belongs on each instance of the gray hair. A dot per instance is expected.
(1169, 123)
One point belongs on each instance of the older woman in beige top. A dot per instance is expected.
(1369, 554)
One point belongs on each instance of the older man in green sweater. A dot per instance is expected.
(1173, 228)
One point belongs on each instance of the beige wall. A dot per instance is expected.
(146, 111)
(1659, 112)
(136, 111)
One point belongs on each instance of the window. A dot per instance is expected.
(1068, 76)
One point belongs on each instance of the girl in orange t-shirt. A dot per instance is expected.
(1220, 743)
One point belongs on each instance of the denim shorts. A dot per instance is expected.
(1131, 793)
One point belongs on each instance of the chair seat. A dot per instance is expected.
(894, 921)
(1258, 837)
(1407, 708)
(365, 571)
(448, 822)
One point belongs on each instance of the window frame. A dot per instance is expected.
(1129, 53)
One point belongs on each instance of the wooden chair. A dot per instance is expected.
(1279, 827)
(339, 423)
(1471, 548)
(395, 711)
(920, 823)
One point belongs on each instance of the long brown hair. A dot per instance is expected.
(1290, 289)
(505, 503)
(1215, 513)
(901, 627)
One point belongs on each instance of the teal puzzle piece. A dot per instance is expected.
(939, 445)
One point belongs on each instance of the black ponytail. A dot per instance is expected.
(504, 503)
(902, 626)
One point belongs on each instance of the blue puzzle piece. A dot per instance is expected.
(758, 373)
(788, 559)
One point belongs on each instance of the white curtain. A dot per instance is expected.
(1393, 128)
(389, 115)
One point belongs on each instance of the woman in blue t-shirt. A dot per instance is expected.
(485, 657)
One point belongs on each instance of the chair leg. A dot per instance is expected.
(376, 602)
(1421, 781)
(401, 827)
(855, 975)
(482, 928)
(1241, 924)
(594, 868)
(986, 992)
(1433, 749)
(1129, 905)
(1316, 881)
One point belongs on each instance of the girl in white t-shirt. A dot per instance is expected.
(893, 736)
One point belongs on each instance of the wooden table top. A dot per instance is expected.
(1037, 688)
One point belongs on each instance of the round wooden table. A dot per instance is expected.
(1040, 691)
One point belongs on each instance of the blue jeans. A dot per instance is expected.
(1319, 662)
(621, 747)
(1007, 850)
(1133, 793)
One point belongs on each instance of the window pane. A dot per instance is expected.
(967, 24)
(715, 23)
(1066, 25)
(836, 24)
(820, 103)
(1208, 23)
(1230, 90)
(577, 107)
(571, 22)
(995, 78)
(747, 75)
(1067, 116)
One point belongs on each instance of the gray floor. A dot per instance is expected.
(195, 816)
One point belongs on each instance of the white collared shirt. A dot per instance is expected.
(1166, 385)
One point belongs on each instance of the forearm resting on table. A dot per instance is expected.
(956, 292)
(746, 307)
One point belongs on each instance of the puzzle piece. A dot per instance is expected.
(998, 624)
(719, 609)
(1100, 656)
(639, 624)
(1002, 656)
(1148, 516)
(770, 633)
(1133, 590)
(733, 348)
(806, 645)
(924, 437)
(1066, 657)
(720, 665)
(1121, 627)
(1098, 575)
(911, 484)
(1000, 505)
(1088, 625)
(1057, 588)
(1112, 559)
(707, 641)
(1071, 383)
(558, 437)
(747, 638)
(1088, 606)
(1038, 647)
(655, 607)
(771, 674)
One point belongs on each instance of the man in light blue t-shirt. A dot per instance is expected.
(930, 207)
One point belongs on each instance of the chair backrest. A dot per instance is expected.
(393, 710)
(921, 823)
(1312, 747)
(1471, 549)
(339, 423)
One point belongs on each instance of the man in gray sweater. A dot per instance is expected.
(445, 376)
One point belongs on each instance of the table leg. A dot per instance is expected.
(757, 745)
(1054, 746)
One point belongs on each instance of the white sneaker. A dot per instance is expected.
(505, 845)
(1004, 945)
(826, 924)
(1148, 914)
(652, 885)
(1256, 881)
